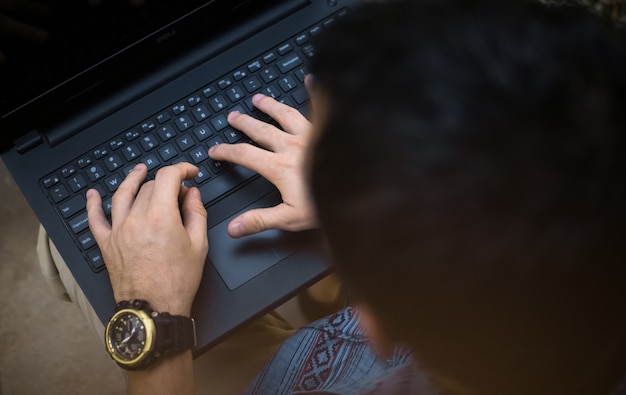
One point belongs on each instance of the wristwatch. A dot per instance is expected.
(136, 335)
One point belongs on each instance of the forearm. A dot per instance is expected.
(173, 375)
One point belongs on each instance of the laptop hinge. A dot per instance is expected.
(28, 141)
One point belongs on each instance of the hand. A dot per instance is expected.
(283, 164)
(153, 250)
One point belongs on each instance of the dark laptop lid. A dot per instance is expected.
(91, 46)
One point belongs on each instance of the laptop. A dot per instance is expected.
(118, 84)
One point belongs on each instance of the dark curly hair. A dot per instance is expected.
(470, 177)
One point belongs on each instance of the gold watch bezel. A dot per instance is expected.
(150, 329)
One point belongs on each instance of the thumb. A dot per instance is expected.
(195, 217)
(258, 220)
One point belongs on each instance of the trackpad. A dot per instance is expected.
(239, 260)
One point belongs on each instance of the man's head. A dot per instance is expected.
(470, 178)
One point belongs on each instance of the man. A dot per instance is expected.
(467, 167)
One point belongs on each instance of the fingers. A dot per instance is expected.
(98, 222)
(258, 220)
(288, 117)
(168, 184)
(263, 133)
(246, 155)
(124, 198)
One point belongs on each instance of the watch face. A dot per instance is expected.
(129, 336)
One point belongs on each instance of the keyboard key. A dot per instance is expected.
(269, 57)
(58, 193)
(209, 91)
(218, 103)
(271, 91)
(239, 75)
(113, 162)
(202, 176)
(84, 161)
(100, 153)
(87, 240)
(166, 132)
(72, 206)
(185, 142)
(254, 66)
(51, 180)
(235, 93)
(167, 152)
(302, 39)
(284, 49)
(107, 206)
(100, 190)
(269, 74)
(252, 84)
(314, 31)
(200, 113)
(148, 142)
(217, 166)
(202, 133)
(219, 122)
(193, 100)
(77, 183)
(224, 83)
(68, 171)
(132, 135)
(95, 172)
(150, 161)
(214, 189)
(227, 181)
(215, 141)
(79, 223)
(301, 73)
(163, 117)
(309, 51)
(287, 83)
(234, 136)
(300, 95)
(179, 109)
(113, 182)
(131, 152)
(95, 259)
(199, 154)
(183, 122)
(289, 63)
(148, 126)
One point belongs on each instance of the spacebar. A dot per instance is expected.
(224, 183)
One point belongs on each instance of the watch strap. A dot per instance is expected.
(174, 333)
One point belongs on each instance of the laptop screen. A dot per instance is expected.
(79, 41)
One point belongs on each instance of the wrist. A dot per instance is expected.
(158, 303)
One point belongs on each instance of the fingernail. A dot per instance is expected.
(257, 97)
(236, 229)
(91, 193)
(212, 149)
(233, 114)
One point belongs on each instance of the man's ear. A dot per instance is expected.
(380, 341)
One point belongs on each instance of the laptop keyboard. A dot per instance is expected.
(183, 132)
